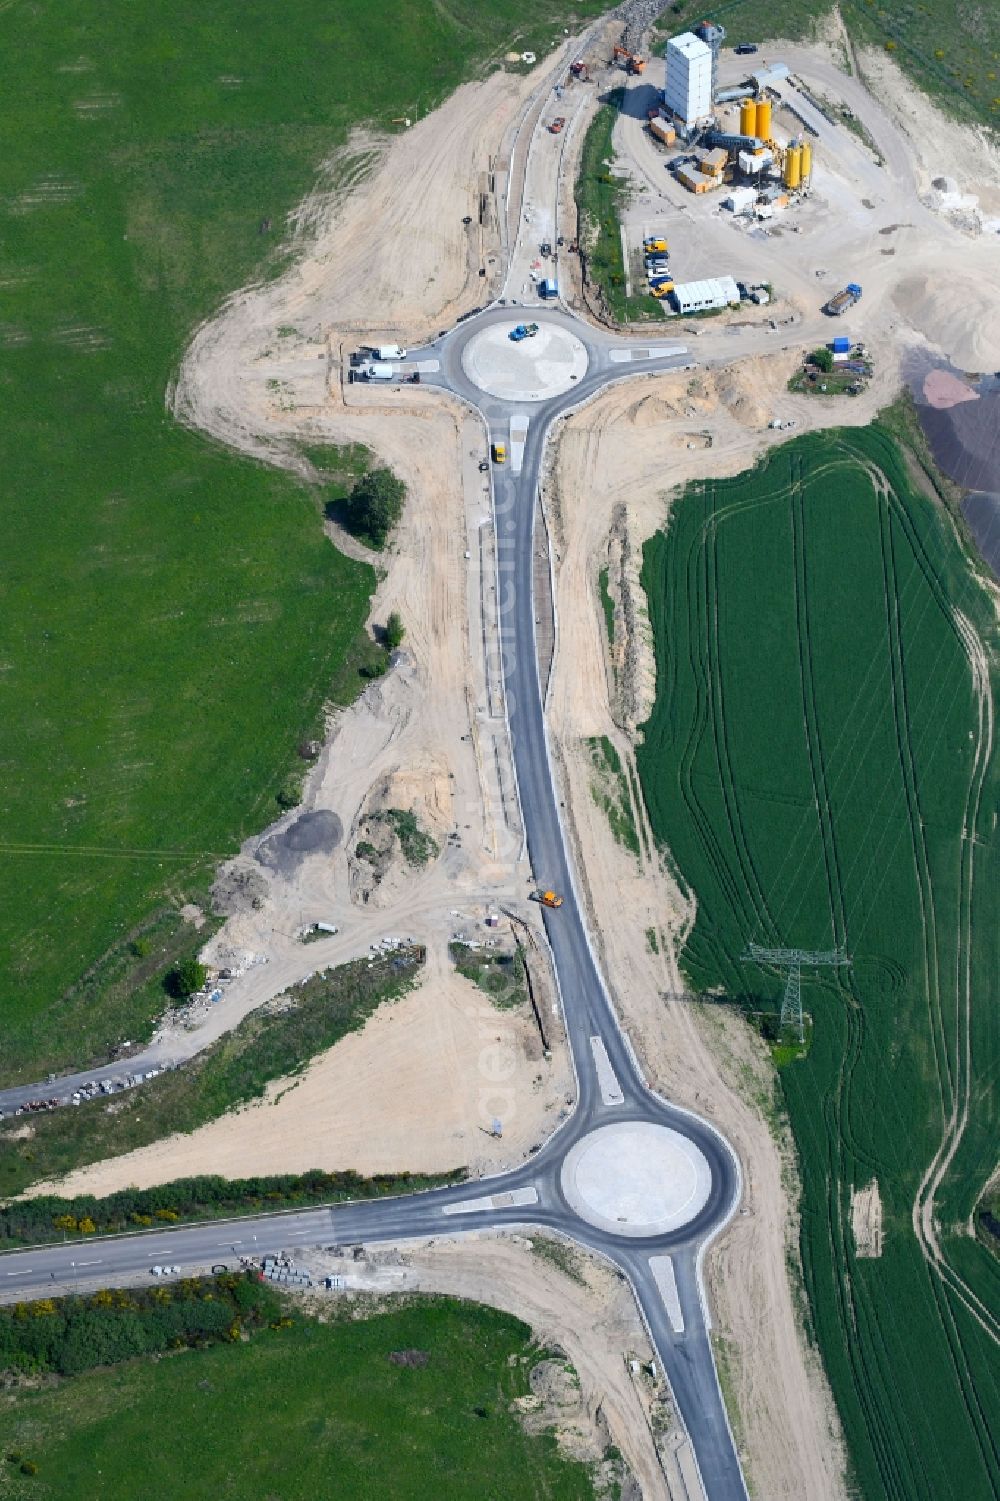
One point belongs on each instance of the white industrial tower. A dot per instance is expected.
(688, 91)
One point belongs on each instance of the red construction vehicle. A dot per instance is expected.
(580, 70)
(557, 124)
(630, 61)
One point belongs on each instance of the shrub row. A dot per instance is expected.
(69, 1335)
(50, 1218)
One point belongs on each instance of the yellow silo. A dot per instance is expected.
(793, 166)
(764, 119)
(748, 117)
(806, 163)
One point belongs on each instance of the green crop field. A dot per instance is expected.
(314, 1410)
(172, 615)
(821, 766)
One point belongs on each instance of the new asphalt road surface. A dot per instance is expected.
(629, 1175)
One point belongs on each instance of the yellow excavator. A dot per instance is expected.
(548, 898)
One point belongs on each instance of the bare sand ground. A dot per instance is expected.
(419, 1086)
(866, 1219)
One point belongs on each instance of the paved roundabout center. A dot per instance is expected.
(636, 1179)
(533, 369)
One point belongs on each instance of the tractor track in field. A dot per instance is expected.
(924, 1218)
(759, 908)
(917, 667)
(954, 1095)
(880, 1422)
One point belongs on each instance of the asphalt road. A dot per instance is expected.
(677, 1324)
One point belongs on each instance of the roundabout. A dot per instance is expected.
(538, 368)
(636, 1179)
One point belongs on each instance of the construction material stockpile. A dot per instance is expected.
(638, 16)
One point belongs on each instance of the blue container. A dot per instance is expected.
(841, 345)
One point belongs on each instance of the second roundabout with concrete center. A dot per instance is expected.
(537, 368)
(636, 1178)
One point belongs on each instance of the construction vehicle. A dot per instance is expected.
(580, 70)
(523, 331)
(548, 899)
(499, 453)
(843, 300)
(654, 245)
(631, 62)
(557, 124)
(660, 289)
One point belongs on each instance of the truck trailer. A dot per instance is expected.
(843, 300)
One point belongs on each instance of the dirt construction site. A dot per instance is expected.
(417, 1088)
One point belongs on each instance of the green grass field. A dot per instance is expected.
(172, 615)
(950, 49)
(315, 1410)
(817, 765)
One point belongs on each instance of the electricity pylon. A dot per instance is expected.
(793, 960)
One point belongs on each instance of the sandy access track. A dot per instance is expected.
(261, 391)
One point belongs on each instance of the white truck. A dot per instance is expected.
(388, 352)
(379, 371)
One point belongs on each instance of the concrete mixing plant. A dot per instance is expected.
(688, 90)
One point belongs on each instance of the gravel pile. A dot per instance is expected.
(638, 16)
(316, 833)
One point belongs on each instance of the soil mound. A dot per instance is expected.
(317, 833)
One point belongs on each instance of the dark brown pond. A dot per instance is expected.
(960, 415)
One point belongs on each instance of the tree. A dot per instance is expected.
(374, 506)
(395, 630)
(185, 978)
(822, 359)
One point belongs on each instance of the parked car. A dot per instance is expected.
(745, 49)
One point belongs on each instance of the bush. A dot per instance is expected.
(185, 978)
(74, 1334)
(395, 630)
(290, 792)
(375, 505)
(822, 359)
(375, 669)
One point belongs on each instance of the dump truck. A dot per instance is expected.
(557, 124)
(843, 300)
(580, 70)
(548, 898)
